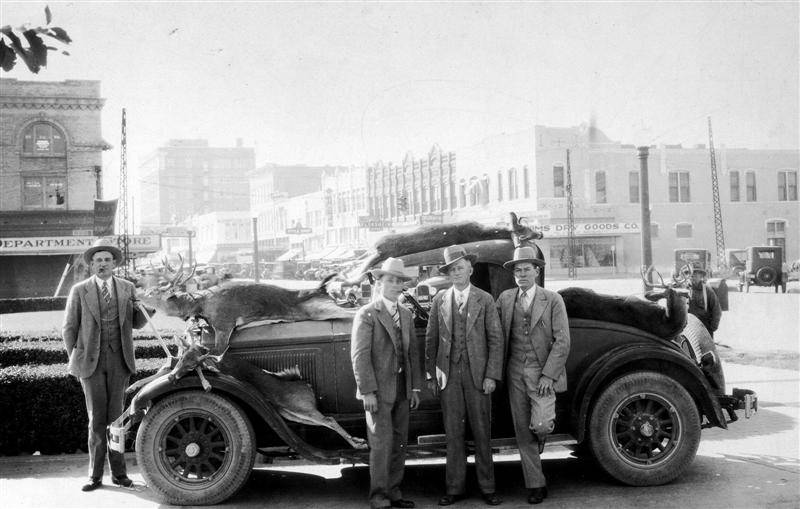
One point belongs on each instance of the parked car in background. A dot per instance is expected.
(688, 259)
(764, 267)
(636, 400)
(736, 260)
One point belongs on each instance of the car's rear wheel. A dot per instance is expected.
(644, 429)
(195, 448)
(766, 276)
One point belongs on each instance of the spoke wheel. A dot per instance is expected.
(644, 429)
(195, 448)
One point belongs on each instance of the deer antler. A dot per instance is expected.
(645, 272)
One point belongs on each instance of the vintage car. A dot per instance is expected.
(736, 260)
(763, 267)
(688, 259)
(636, 401)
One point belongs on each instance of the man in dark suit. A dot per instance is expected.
(100, 315)
(388, 380)
(464, 360)
(703, 301)
(536, 331)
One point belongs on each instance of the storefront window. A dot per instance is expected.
(589, 252)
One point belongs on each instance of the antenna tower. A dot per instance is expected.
(720, 235)
(571, 272)
(123, 240)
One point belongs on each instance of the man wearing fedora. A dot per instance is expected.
(388, 381)
(464, 360)
(536, 332)
(101, 312)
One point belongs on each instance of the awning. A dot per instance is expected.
(289, 255)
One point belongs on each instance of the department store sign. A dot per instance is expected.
(601, 228)
(70, 245)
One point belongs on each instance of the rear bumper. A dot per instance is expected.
(741, 399)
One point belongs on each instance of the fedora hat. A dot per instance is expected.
(391, 267)
(524, 254)
(452, 254)
(101, 245)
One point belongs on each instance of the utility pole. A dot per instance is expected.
(718, 232)
(124, 241)
(571, 270)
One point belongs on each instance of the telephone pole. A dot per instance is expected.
(571, 271)
(123, 241)
(718, 232)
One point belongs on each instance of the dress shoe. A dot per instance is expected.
(491, 498)
(407, 504)
(400, 502)
(537, 495)
(123, 481)
(450, 499)
(94, 483)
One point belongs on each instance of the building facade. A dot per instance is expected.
(186, 178)
(50, 174)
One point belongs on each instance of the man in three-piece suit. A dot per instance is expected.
(388, 380)
(536, 331)
(100, 315)
(464, 360)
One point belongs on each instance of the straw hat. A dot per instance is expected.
(452, 254)
(391, 267)
(524, 254)
(101, 245)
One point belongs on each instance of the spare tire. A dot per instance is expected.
(766, 276)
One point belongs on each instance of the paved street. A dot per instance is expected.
(756, 463)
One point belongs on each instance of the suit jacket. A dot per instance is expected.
(81, 329)
(484, 341)
(374, 344)
(550, 334)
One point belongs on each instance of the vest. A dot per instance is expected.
(521, 344)
(459, 339)
(110, 337)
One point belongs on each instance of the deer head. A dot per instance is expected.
(661, 289)
(521, 233)
(193, 355)
(165, 295)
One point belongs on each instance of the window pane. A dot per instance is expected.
(55, 197)
(633, 186)
(600, 186)
(751, 186)
(42, 138)
(734, 176)
(32, 193)
(683, 231)
(673, 187)
(499, 186)
(526, 182)
(792, 185)
(685, 195)
(558, 181)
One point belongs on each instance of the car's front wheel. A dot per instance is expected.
(644, 429)
(195, 448)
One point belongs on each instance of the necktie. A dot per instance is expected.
(396, 317)
(104, 291)
(525, 299)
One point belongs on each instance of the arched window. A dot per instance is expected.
(513, 191)
(462, 193)
(473, 189)
(43, 139)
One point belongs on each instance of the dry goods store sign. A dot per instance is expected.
(70, 245)
(589, 229)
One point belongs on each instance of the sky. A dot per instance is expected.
(354, 83)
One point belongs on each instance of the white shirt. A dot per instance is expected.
(531, 292)
(391, 307)
(99, 282)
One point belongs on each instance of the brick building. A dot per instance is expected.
(50, 173)
(186, 178)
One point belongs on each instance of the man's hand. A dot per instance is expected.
(414, 400)
(371, 402)
(545, 386)
(433, 387)
(488, 385)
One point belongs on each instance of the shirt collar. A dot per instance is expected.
(531, 291)
(464, 294)
(99, 282)
(390, 306)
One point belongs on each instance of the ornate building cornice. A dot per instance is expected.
(52, 103)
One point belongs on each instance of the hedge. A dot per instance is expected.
(30, 304)
(43, 408)
(22, 352)
(8, 336)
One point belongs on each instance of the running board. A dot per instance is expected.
(497, 443)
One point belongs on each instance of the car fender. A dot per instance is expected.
(245, 395)
(638, 357)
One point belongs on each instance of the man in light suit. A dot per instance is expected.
(464, 360)
(388, 380)
(536, 331)
(100, 315)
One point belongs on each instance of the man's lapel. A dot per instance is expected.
(122, 298)
(387, 321)
(92, 302)
(473, 309)
(539, 305)
(507, 308)
(447, 311)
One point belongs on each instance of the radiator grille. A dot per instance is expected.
(275, 361)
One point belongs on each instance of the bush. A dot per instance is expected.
(32, 304)
(23, 352)
(43, 408)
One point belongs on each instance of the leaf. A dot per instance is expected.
(60, 34)
(47, 15)
(8, 58)
(38, 51)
